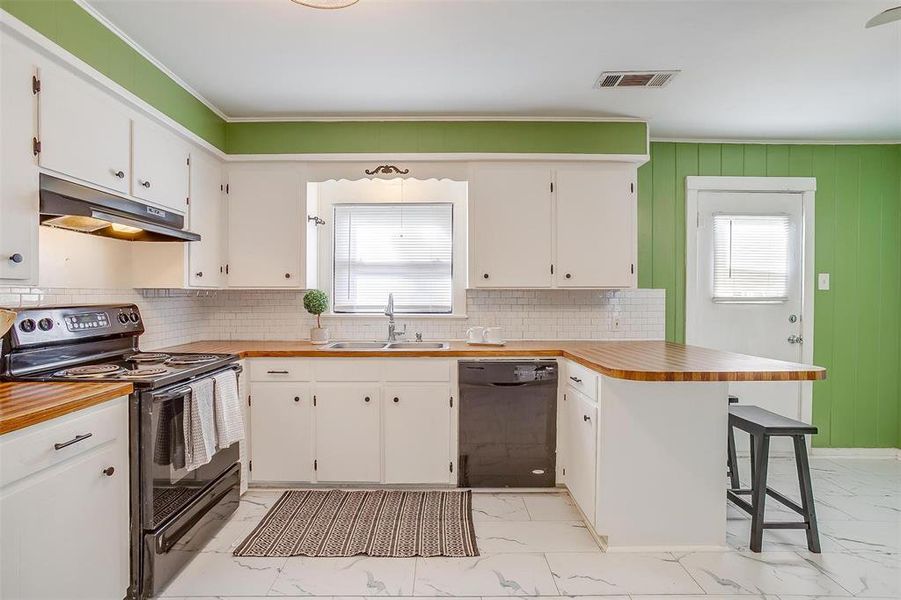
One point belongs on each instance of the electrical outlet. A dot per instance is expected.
(615, 324)
(823, 281)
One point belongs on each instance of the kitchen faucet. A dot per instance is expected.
(392, 327)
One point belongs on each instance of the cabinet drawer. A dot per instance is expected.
(412, 369)
(348, 369)
(582, 379)
(25, 452)
(280, 369)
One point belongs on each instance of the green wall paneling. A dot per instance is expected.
(858, 240)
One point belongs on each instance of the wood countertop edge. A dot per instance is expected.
(85, 397)
(617, 373)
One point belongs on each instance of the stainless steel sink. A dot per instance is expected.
(354, 346)
(417, 346)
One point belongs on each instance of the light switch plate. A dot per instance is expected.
(823, 281)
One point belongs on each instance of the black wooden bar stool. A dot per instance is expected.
(761, 425)
(731, 461)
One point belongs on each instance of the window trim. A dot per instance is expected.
(459, 269)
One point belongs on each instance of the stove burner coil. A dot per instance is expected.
(91, 371)
(144, 372)
(149, 357)
(191, 359)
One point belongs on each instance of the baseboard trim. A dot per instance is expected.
(885, 453)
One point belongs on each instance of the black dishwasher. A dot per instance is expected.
(508, 423)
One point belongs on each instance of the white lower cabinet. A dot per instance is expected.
(417, 433)
(64, 512)
(580, 414)
(280, 426)
(347, 432)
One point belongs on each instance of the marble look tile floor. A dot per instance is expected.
(534, 544)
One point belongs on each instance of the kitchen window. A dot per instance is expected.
(751, 258)
(402, 248)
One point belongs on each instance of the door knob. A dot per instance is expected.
(795, 339)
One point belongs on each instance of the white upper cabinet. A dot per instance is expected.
(18, 171)
(266, 224)
(510, 217)
(206, 218)
(84, 133)
(595, 227)
(160, 166)
(533, 226)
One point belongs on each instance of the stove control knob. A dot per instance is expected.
(45, 324)
(123, 318)
(135, 318)
(27, 325)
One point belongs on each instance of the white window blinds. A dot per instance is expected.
(406, 249)
(751, 258)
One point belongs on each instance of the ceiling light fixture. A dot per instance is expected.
(886, 16)
(327, 4)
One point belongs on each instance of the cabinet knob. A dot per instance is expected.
(297, 398)
(485, 275)
(16, 258)
(287, 275)
(396, 399)
(366, 399)
(120, 174)
(586, 418)
(109, 471)
(569, 276)
(146, 184)
(199, 273)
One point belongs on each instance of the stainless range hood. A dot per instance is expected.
(68, 205)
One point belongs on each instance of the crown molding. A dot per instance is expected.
(776, 142)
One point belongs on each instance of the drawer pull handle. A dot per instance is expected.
(277, 372)
(75, 440)
(109, 471)
(586, 418)
(576, 379)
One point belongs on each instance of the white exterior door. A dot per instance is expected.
(511, 221)
(347, 432)
(417, 433)
(747, 293)
(207, 211)
(84, 133)
(160, 166)
(581, 451)
(281, 445)
(266, 222)
(595, 227)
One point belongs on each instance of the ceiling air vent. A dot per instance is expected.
(648, 79)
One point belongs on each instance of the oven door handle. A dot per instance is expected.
(183, 391)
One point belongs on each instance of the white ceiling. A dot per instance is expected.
(751, 69)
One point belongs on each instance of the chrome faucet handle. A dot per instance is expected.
(418, 336)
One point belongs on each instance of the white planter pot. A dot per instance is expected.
(319, 335)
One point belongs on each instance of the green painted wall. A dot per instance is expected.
(858, 241)
(437, 136)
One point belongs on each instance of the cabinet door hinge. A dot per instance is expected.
(250, 465)
(564, 470)
(632, 187)
(315, 465)
(451, 401)
(226, 269)
(552, 269)
(188, 201)
(452, 466)
(632, 268)
(226, 188)
(188, 161)
(564, 397)
(552, 187)
(314, 400)
(35, 146)
(35, 85)
(249, 400)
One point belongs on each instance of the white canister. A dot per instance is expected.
(475, 335)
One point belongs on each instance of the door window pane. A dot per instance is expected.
(751, 258)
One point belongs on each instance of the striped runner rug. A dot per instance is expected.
(374, 523)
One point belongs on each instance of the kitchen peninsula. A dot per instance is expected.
(644, 457)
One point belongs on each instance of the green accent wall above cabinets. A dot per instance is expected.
(75, 30)
(858, 240)
(330, 137)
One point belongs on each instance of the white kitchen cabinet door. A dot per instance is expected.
(84, 133)
(511, 225)
(18, 170)
(207, 218)
(417, 433)
(281, 432)
(595, 227)
(581, 451)
(159, 166)
(347, 432)
(266, 224)
(65, 530)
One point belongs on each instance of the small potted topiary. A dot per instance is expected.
(316, 303)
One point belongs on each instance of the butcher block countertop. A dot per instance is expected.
(29, 403)
(633, 360)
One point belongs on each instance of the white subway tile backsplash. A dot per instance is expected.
(179, 316)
